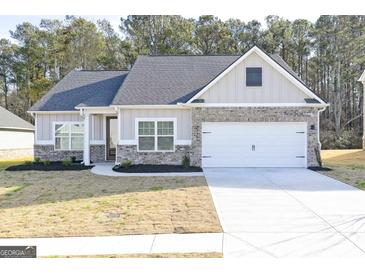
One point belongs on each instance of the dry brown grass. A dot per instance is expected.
(154, 255)
(79, 203)
(347, 166)
(344, 157)
(6, 163)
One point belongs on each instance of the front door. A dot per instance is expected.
(111, 137)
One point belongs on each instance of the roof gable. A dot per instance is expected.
(163, 80)
(275, 61)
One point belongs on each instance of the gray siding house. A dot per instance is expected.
(16, 136)
(221, 111)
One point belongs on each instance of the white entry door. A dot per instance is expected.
(234, 144)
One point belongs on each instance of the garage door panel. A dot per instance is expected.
(254, 144)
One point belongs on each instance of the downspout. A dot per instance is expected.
(318, 127)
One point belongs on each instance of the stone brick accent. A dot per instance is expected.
(97, 153)
(47, 152)
(254, 114)
(153, 158)
(9, 154)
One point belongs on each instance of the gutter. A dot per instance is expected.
(215, 105)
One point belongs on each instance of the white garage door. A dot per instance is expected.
(254, 144)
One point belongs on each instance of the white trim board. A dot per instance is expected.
(268, 59)
(362, 78)
(255, 105)
(134, 142)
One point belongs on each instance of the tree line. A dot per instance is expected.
(329, 55)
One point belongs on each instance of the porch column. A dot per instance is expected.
(86, 139)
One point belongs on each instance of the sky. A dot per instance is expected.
(9, 22)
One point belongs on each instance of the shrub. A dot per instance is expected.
(28, 163)
(66, 162)
(37, 160)
(348, 140)
(46, 162)
(73, 159)
(126, 163)
(185, 161)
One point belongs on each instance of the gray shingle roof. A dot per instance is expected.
(82, 88)
(153, 80)
(160, 80)
(10, 120)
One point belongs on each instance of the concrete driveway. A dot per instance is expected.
(287, 212)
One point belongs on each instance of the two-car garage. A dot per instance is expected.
(254, 144)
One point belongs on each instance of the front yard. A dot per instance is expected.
(79, 203)
(347, 166)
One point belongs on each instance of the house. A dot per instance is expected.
(221, 111)
(362, 80)
(16, 136)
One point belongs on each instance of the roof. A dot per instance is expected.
(161, 80)
(11, 121)
(153, 80)
(82, 88)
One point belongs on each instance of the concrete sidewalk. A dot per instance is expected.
(106, 169)
(143, 244)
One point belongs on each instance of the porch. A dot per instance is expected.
(101, 135)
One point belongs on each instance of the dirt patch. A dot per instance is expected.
(156, 169)
(68, 203)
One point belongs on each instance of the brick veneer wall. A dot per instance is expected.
(97, 153)
(254, 114)
(47, 152)
(153, 158)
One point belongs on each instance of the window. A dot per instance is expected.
(156, 135)
(254, 77)
(69, 136)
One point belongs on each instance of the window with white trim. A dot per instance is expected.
(156, 135)
(69, 136)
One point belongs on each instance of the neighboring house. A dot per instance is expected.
(16, 136)
(221, 111)
(362, 79)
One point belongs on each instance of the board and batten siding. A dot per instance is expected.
(97, 127)
(45, 122)
(276, 88)
(128, 117)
